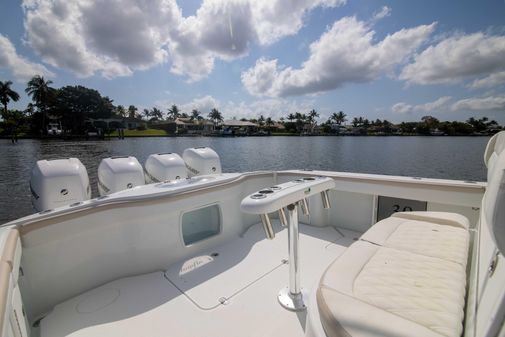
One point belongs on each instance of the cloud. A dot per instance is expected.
(270, 107)
(489, 103)
(384, 12)
(225, 30)
(457, 58)
(117, 37)
(489, 81)
(276, 19)
(203, 104)
(112, 38)
(345, 53)
(437, 105)
(402, 107)
(21, 68)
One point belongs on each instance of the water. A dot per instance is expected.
(434, 157)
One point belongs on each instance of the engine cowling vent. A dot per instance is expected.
(201, 161)
(165, 166)
(119, 173)
(59, 182)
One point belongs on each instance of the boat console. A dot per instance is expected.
(274, 199)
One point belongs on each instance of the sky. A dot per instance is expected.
(396, 60)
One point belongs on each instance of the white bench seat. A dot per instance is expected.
(438, 234)
(380, 291)
(405, 277)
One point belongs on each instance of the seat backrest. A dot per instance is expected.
(495, 191)
(13, 321)
(488, 279)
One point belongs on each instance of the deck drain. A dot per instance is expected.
(214, 254)
(223, 300)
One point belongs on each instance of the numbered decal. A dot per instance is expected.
(388, 206)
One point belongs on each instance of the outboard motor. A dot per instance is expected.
(119, 173)
(60, 182)
(201, 161)
(165, 166)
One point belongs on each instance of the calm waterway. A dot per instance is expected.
(434, 157)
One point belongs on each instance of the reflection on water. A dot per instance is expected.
(435, 157)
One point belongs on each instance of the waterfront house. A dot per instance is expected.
(236, 127)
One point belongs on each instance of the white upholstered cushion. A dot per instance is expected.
(426, 238)
(441, 218)
(493, 212)
(428, 292)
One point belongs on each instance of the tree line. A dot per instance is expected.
(73, 106)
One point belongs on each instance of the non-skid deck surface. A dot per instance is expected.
(229, 291)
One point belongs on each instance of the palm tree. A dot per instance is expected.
(195, 114)
(339, 117)
(146, 113)
(291, 117)
(156, 114)
(261, 120)
(132, 111)
(269, 123)
(312, 119)
(313, 114)
(300, 120)
(355, 121)
(173, 112)
(215, 116)
(120, 111)
(7, 94)
(40, 91)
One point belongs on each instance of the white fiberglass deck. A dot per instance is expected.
(229, 291)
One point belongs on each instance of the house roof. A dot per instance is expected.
(234, 122)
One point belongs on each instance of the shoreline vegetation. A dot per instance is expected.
(153, 133)
(77, 112)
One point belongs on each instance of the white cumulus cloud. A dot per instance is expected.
(489, 81)
(345, 53)
(384, 12)
(457, 58)
(203, 104)
(269, 107)
(274, 19)
(435, 106)
(112, 38)
(20, 67)
(117, 37)
(489, 103)
(274, 108)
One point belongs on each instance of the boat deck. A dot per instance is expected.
(229, 291)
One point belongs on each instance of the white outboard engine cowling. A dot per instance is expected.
(201, 161)
(60, 182)
(119, 173)
(165, 166)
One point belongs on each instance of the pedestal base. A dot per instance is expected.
(292, 302)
